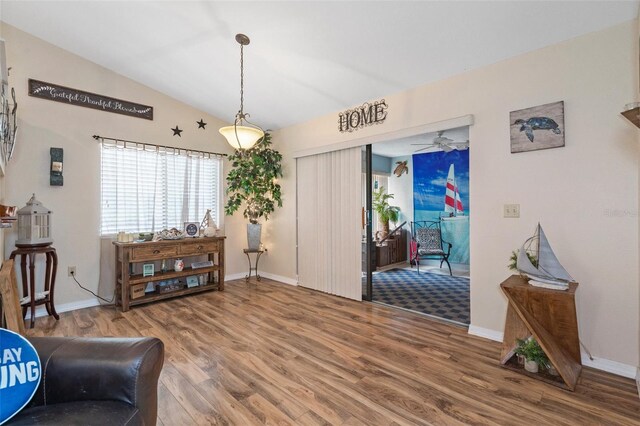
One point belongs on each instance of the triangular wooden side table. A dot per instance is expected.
(548, 315)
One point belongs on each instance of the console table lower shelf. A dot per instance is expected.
(154, 297)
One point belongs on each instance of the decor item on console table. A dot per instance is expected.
(168, 234)
(208, 226)
(128, 254)
(191, 229)
(178, 265)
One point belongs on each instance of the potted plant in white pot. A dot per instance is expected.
(533, 354)
(252, 182)
(386, 212)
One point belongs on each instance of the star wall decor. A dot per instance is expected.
(177, 131)
(201, 124)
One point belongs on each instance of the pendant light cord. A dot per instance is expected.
(241, 113)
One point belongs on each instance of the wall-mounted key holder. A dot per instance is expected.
(56, 178)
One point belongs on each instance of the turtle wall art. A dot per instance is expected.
(539, 127)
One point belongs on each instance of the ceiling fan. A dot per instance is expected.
(444, 143)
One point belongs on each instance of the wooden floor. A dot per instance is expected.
(269, 353)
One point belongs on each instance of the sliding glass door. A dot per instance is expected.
(368, 246)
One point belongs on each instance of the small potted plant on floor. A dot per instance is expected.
(533, 354)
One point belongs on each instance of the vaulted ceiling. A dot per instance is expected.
(305, 59)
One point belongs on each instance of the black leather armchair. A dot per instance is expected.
(95, 381)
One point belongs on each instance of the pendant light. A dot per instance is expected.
(243, 134)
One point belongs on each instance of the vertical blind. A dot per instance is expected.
(146, 188)
(329, 222)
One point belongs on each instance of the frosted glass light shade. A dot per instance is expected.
(247, 136)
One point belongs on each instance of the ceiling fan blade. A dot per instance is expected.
(416, 144)
(446, 148)
(422, 149)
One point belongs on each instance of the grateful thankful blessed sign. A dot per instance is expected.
(54, 92)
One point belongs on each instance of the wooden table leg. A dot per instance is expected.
(221, 265)
(25, 283)
(125, 282)
(50, 304)
(32, 287)
(47, 280)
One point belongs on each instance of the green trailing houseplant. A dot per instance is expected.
(385, 211)
(533, 354)
(252, 181)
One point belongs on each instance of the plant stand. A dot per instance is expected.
(550, 316)
(32, 299)
(251, 267)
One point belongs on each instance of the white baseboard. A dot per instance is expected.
(638, 380)
(486, 333)
(41, 311)
(279, 278)
(238, 276)
(607, 365)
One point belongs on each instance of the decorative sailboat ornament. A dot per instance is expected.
(208, 225)
(548, 272)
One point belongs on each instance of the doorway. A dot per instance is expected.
(426, 179)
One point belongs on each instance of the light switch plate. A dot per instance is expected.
(512, 210)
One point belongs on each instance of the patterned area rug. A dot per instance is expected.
(439, 295)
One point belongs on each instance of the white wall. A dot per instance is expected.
(402, 190)
(44, 124)
(585, 194)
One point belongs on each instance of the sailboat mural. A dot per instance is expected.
(452, 203)
(441, 193)
(547, 272)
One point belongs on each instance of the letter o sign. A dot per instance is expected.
(19, 373)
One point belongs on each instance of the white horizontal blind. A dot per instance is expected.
(147, 188)
(329, 222)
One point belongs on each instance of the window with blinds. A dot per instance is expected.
(146, 188)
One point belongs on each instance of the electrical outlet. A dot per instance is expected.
(512, 210)
(71, 271)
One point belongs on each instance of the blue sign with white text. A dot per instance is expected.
(19, 373)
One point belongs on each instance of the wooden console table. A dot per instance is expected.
(550, 317)
(128, 254)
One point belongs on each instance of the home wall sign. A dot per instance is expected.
(366, 115)
(54, 92)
